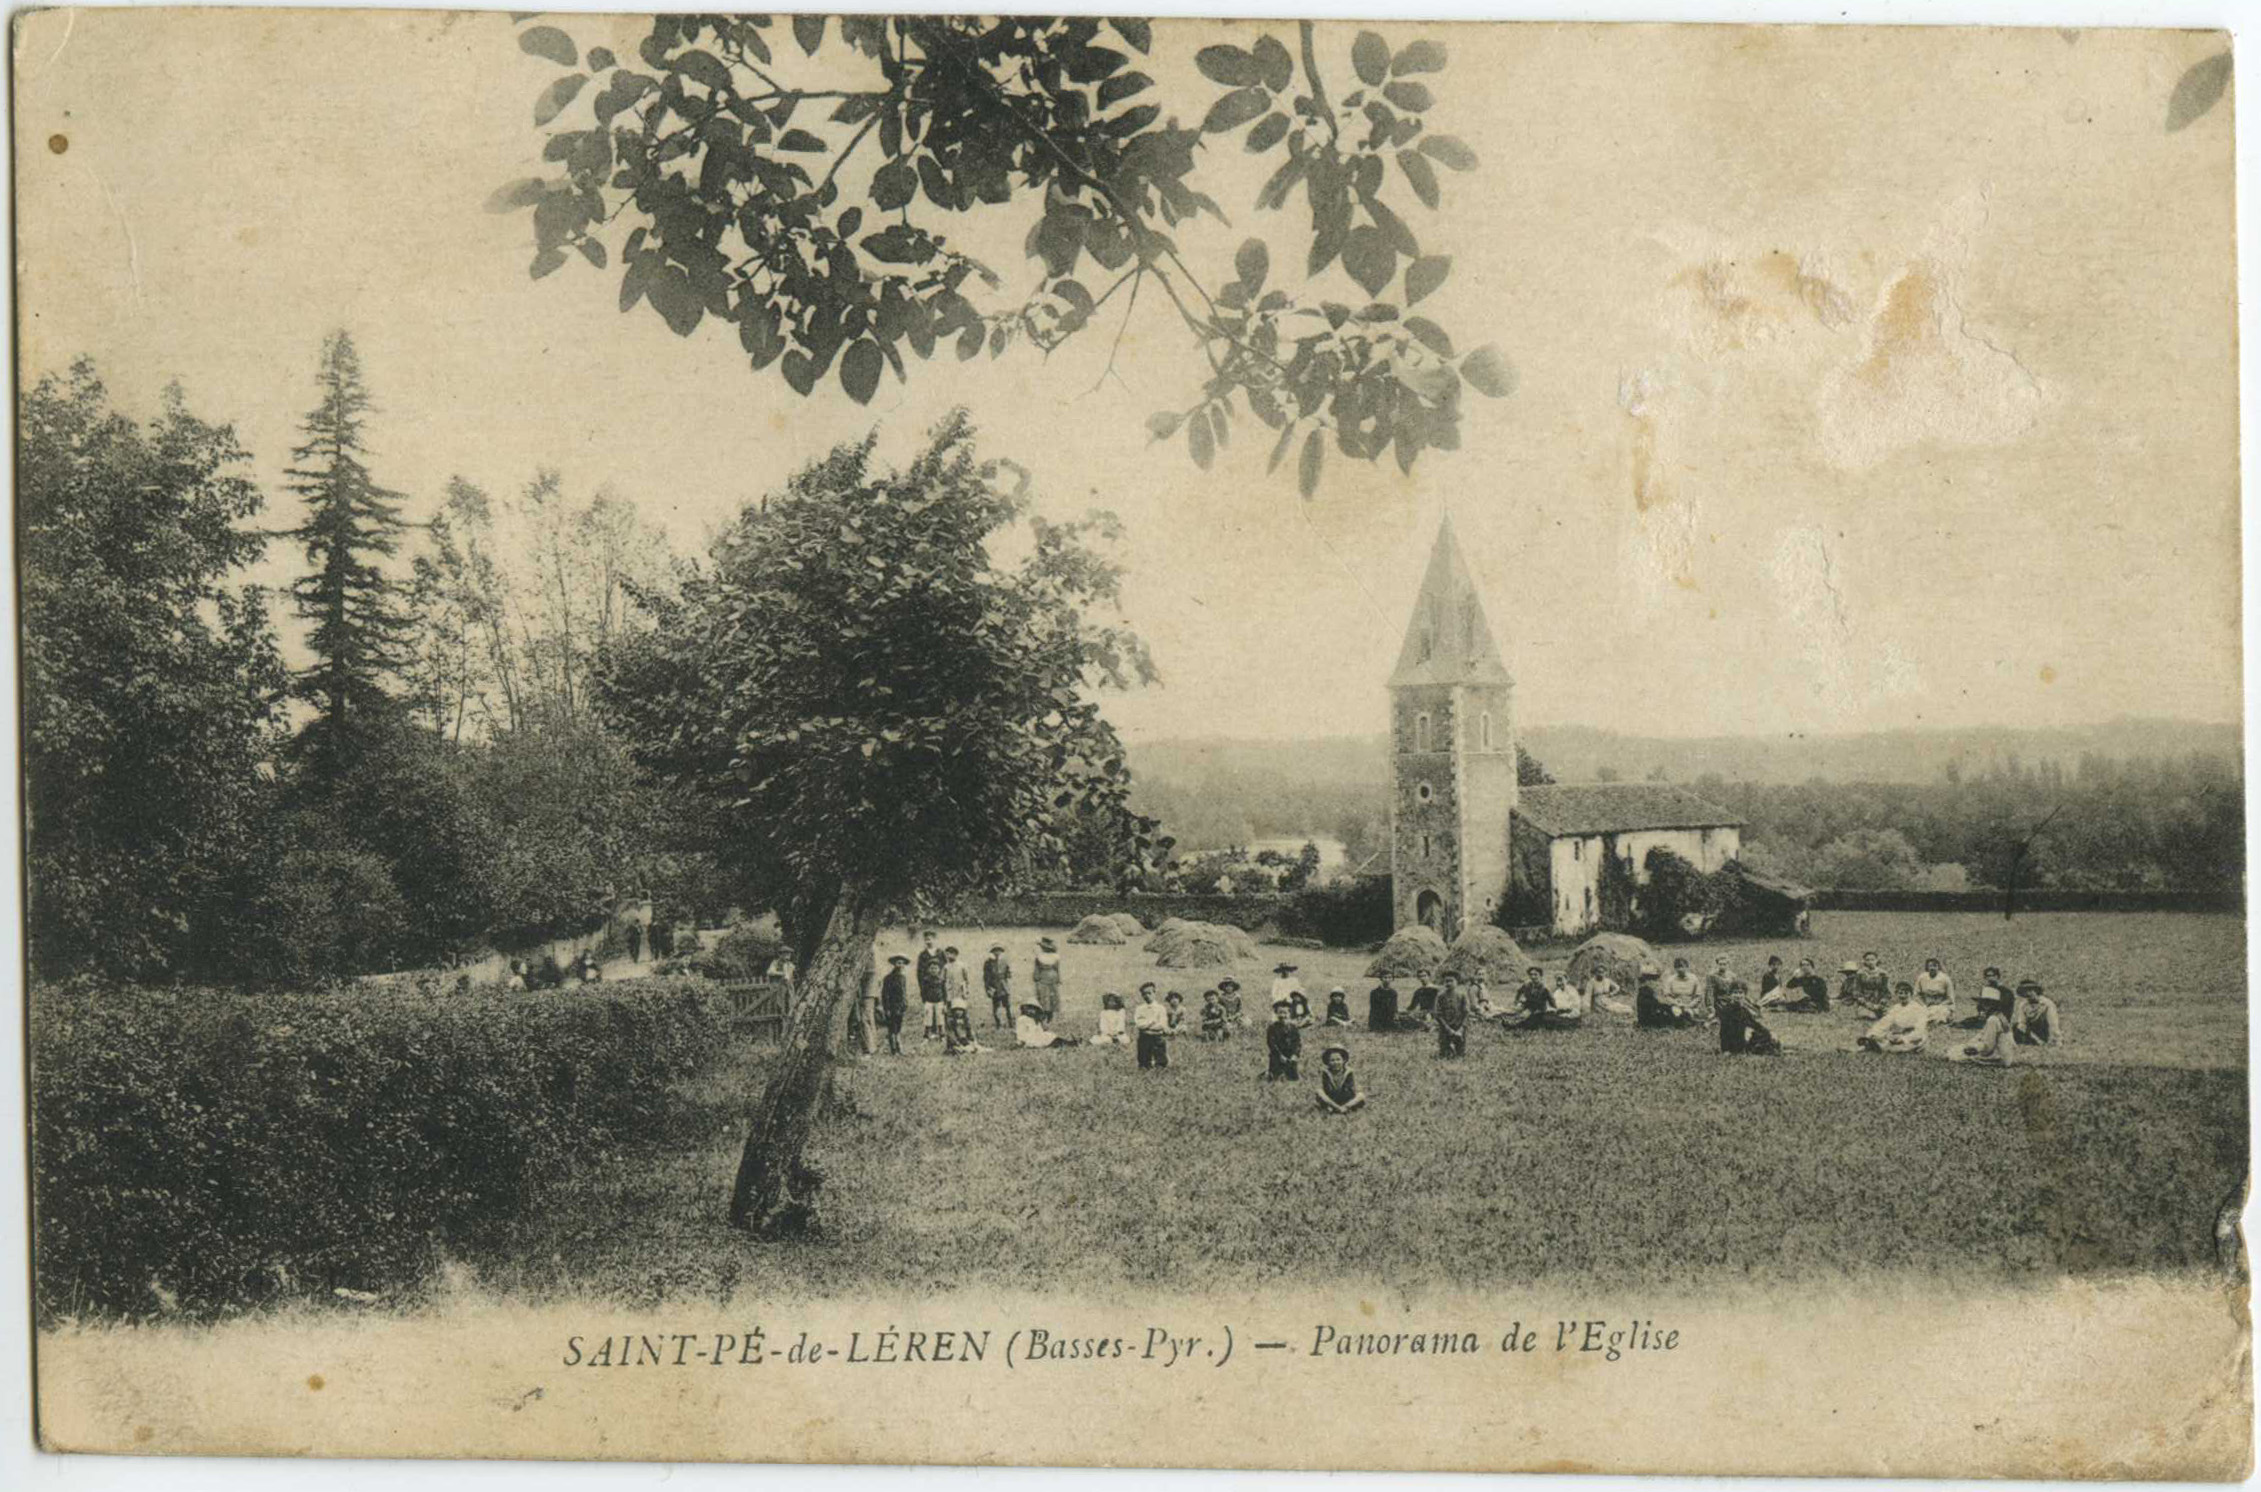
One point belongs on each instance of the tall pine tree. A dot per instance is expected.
(360, 633)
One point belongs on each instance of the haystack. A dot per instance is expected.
(1620, 956)
(1489, 954)
(1411, 952)
(1129, 923)
(1205, 945)
(1162, 934)
(1097, 930)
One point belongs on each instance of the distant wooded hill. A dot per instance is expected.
(1212, 792)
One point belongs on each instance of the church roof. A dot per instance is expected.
(1617, 808)
(1448, 640)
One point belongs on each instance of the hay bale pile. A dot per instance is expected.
(1171, 927)
(1200, 945)
(1620, 956)
(1411, 952)
(1098, 930)
(1129, 923)
(1489, 954)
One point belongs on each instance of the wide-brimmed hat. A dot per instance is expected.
(1047, 945)
(1328, 1051)
(897, 958)
(1337, 990)
(1283, 968)
(2029, 984)
(997, 948)
(1849, 967)
(1033, 1012)
(1281, 1005)
(1225, 984)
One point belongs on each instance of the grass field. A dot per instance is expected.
(1607, 1155)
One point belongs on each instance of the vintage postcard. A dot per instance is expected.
(1074, 741)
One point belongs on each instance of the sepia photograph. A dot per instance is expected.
(1082, 741)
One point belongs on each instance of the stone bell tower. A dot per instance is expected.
(1452, 755)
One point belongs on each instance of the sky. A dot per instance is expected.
(1867, 379)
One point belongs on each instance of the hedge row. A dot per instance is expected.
(1067, 908)
(204, 1150)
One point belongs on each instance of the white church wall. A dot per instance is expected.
(1576, 865)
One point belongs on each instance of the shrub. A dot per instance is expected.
(1347, 915)
(741, 953)
(213, 1150)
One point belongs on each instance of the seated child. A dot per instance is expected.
(1228, 995)
(1212, 1016)
(1652, 1009)
(1338, 1088)
(1995, 1046)
(1176, 1004)
(1338, 1007)
(1904, 1026)
(1741, 1031)
(2037, 1021)
(1028, 1030)
(957, 1033)
(1114, 1022)
(1283, 1047)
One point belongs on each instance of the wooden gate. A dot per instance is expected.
(758, 1006)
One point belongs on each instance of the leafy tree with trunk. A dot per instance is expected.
(359, 631)
(150, 679)
(806, 193)
(881, 717)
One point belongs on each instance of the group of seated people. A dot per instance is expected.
(1901, 1015)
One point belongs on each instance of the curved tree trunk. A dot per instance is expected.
(776, 1190)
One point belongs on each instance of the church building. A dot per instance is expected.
(1465, 838)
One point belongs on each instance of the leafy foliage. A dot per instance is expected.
(220, 1150)
(737, 161)
(865, 698)
(149, 680)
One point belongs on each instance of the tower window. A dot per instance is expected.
(1424, 846)
(1422, 792)
(1577, 849)
(1484, 729)
(1421, 733)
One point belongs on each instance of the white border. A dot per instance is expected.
(21, 1466)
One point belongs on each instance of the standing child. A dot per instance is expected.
(1338, 1088)
(894, 1001)
(1046, 978)
(1153, 1021)
(997, 982)
(1283, 1047)
(933, 971)
(1452, 1020)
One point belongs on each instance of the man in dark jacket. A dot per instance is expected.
(997, 981)
(894, 1001)
(934, 984)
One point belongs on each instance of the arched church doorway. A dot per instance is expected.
(1430, 909)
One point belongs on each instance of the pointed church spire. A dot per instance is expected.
(1449, 640)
